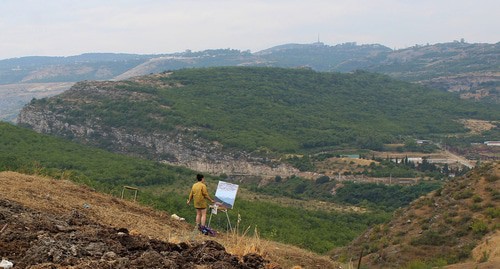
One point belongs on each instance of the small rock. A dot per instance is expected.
(5, 264)
(109, 256)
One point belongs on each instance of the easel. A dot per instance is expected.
(215, 208)
(130, 188)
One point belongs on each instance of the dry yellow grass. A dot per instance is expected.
(62, 197)
(477, 126)
(332, 166)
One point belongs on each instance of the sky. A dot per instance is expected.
(73, 27)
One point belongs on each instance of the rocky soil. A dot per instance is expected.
(35, 239)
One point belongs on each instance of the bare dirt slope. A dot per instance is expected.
(47, 223)
(14, 96)
(456, 225)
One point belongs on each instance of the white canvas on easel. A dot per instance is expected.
(225, 195)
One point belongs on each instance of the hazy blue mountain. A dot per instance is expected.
(89, 66)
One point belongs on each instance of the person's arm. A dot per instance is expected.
(190, 197)
(205, 194)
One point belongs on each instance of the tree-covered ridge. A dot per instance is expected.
(375, 196)
(28, 152)
(272, 109)
(446, 59)
(318, 56)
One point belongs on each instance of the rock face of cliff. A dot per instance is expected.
(177, 147)
(477, 86)
(469, 69)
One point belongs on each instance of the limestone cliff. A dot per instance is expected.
(177, 147)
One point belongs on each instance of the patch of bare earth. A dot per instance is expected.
(477, 126)
(333, 166)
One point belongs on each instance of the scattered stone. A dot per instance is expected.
(41, 241)
(6, 264)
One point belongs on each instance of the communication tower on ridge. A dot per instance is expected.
(318, 42)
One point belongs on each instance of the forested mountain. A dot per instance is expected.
(430, 61)
(469, 69)
(473, 70)
(191, 116)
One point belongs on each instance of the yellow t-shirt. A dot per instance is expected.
(198, 194)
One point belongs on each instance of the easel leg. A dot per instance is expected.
(227, 216)
(229, 222)
(209, 218)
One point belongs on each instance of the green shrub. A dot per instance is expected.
(463, 194)
(453, 213)
(485, 257)
(476, 198)
(492, 212)
(462, 231)
(322, 180)
(465, 218)
(479, 227)
(495, 195)
(491, 177)
(430, 238)
(475, 207)
(438, 192)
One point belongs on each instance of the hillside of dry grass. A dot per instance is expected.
(457, 224)
(62, 209)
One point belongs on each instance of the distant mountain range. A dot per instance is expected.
(454, 66)
(473, 70)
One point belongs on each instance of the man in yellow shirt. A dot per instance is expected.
(199, 193)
